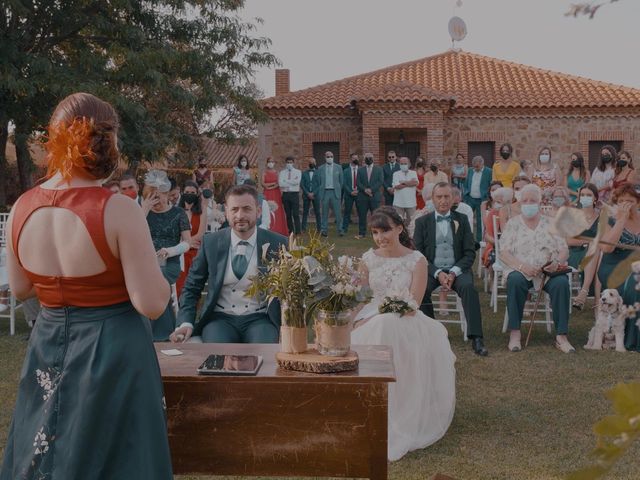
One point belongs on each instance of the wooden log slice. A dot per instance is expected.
(312, 362)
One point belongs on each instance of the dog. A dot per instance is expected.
(608, 332)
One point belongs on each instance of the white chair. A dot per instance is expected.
(453, 306)
(498, 270)
(3, 232)
(13, 305)
(544, 307)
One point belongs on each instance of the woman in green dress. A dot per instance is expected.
(577, 176)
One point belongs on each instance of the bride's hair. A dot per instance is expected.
(385, 218)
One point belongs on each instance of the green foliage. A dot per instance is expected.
(615, 433)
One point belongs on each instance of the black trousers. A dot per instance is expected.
(365, 204)
(307, 204)
(291, 204)
(349, 203)
(463, 286)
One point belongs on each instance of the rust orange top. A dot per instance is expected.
(88, 203)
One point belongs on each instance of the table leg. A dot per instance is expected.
(378, 431)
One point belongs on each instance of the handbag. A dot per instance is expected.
(563, 269)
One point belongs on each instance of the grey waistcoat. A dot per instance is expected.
(444, 249)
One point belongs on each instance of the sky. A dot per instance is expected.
(324, 40)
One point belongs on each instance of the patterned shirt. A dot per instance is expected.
(166, 227)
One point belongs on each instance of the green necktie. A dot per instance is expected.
(239, 262)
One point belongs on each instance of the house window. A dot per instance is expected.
(594, 151)
(484, 149)
(320, 148)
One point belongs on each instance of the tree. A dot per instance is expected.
(586, 8)
(165, 65)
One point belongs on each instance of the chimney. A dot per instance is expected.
(282, 81)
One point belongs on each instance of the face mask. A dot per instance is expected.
(497, 205)
(207, 193)
(558, 201)
(354, 162)
(586, 202)
(312, 166)
(190, 197)
(605, 158)
(404, 168)
(505, 155)
(434, 168)
(131, 194)
(202, 165)
(329, 160)
(289, 166)
(529, 211)
(544, 158)
(622, 163)
(575, 163)
(270, 164)
(243, 163)
(368, 161)
(517, 195)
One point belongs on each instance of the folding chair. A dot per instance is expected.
(453, 306)
(498, 270)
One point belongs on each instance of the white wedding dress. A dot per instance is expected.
(422, 400)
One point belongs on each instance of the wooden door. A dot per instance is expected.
(320, 148)
(484, 149)
(594, 151)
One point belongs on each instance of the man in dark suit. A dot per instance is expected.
(477, 187)
(388, 170)
(350, 190)
(370, 180)
(228, 259)
(444, 237)
(310, 185)
(331, 177)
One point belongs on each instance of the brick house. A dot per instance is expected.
(452, 102)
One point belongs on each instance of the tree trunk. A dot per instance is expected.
(23, 158)
(4, 136)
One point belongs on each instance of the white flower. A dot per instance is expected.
(47, 383)
(338, 289)
(40, 442)
(265, 250)
(345, 261)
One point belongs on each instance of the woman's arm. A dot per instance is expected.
(612, 234)
(419, 281)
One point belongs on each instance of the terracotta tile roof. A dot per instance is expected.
(222, 155)
(402, 91)
(474, 81)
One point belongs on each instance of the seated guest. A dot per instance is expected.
(512, 209)
(477, 185)
(227, 260)
(489, 203)
(459, 206)
(435, 175)
(444, 237)
(587, 200)
(559, 198)
(526, 246)
(631, 332)
(500, 196)
(625, 173)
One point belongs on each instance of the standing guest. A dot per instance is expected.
(191, 202)
(420, 171)
(174, 193)
(527, 247)
(388, 169)
(625, 172)
(330, 193)
(435, 175)
(226, 264)
(241, 170)
(129, 187)
(459, 173)
(171, 236)
(264, 220)
(310, 185)
(215, 212)
(113, 186)
(90, 377)
(404, 185)
(445, 239)
(370, 182)
(577, 176)
(350, 190)
(476, 190)
(289, 182)
(202, 175)
(604, 173)
(546, 174)
(505, 169)
(459, 206)
(587, 202)
(272, 193)
(428, 207)
(510, 210)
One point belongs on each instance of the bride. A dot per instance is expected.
(422, 401)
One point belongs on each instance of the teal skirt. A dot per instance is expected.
(90, 401)
(631, 330)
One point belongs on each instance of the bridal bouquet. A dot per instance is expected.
(398, 304)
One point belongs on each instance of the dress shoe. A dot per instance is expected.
(478, 347)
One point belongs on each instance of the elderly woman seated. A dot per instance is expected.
(527, 248)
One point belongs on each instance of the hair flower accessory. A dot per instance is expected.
(158, 179)
(69, 146)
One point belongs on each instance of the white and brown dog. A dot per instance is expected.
(608, 332)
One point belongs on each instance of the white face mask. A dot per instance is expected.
(544, 158)
(404, 168)
(243, 163)
(329, 160)
(289, 166)
(270, 165)
(497, 205)
(586, 202)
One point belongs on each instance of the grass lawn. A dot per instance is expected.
(523, 416)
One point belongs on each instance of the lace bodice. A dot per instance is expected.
(390, 276)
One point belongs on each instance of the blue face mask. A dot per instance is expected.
(586, 202)
(558, 201)
(530, 210)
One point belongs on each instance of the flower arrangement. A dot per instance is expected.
(398, 304)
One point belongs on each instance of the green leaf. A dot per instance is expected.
(611, 426)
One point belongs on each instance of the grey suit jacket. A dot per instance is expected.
(210, 266)
(337, 181)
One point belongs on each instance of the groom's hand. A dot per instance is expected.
(181, 334)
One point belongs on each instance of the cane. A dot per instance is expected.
(535, 309)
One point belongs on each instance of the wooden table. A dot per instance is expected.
(279, 422)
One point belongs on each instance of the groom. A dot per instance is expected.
(227, 260)
(445, 238)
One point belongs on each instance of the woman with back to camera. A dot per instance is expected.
(90, 400)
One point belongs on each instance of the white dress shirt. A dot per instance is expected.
(405, 197)
(289, 180)
(329, 176)
(354, 174)
(445, 227)
(476, 179)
